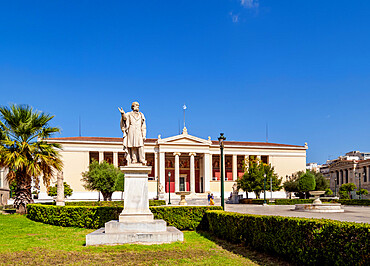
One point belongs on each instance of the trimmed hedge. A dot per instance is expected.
(253, 201)
(110, 203)
(182, 217)
(305, 241)
(292, 201)
(362, 202)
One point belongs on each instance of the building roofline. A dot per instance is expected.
(112, 140)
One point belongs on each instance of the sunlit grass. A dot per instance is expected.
(27, 242)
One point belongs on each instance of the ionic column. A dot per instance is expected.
(210, 167)
(207, 171)
(192, 172)
(162, 169)
(235, 167)
(115, 159)
(156, 164)
(101, 156)
(177, 171)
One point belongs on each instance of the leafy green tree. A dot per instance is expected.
(253, 178)
(306, 183)
(24, 151)
(102, 177)
(322, 184)
(345, 190)
(120, 183)
(362, 191)
(52, 191)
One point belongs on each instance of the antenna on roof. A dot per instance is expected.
(79, 126)
(267, 132)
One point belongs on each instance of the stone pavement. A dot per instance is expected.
(358, 214)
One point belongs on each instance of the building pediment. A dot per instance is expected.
(184, 139)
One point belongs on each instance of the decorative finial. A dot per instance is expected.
(184, 131)
(209, 138)
(159, 136)
(306, 145)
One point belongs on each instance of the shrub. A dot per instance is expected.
(362, 202)
(253, 201)
(110, 203)
(52, 191)
(304, 241)
(182, 217)
(292, 201)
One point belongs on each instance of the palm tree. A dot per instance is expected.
(24, 151)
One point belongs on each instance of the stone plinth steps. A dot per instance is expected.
(136, 223)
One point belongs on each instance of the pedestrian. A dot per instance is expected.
(211, 201)
(209, 198)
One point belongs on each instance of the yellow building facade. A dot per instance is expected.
(191, 163)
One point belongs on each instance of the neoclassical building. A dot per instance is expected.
(346, 170)
(192, 163)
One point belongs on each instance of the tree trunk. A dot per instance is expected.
(23, 194)
(22, 198)
(107, 196)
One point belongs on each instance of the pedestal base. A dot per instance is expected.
(100, 237)
(136, 217)
(124, 227)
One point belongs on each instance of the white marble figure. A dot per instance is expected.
(160, 188)
(133, 127)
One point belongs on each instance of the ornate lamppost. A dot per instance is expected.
(221, 140)
(169, 188)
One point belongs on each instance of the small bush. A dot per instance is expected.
(304, 241)
(253, 201)
(362, 202)
(182, 217)
(292, 201)
(110, 203)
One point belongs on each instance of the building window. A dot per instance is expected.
(265, 159)
(108, 157)
(94, 156)
(122, 159)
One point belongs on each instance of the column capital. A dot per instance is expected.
(192, 154)
(177, 153)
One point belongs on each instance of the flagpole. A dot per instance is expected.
(184, 107)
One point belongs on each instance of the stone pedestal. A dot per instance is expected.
(136, 199)
(136, 223)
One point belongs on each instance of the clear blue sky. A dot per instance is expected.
(303, 67)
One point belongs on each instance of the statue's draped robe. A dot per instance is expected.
(134, 130)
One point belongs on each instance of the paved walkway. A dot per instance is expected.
(358, 214)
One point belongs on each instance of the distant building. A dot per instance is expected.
(313, 167)
(353, 167)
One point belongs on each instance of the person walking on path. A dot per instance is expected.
(211, 201)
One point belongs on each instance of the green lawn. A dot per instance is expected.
(27, 242)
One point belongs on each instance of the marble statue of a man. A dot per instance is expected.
(133, 127)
